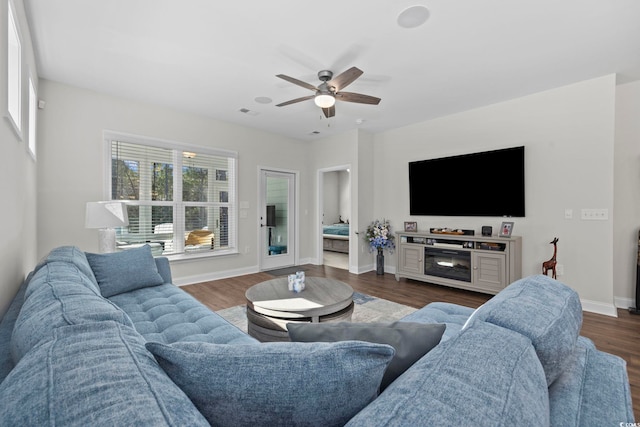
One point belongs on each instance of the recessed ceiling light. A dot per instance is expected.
(413, 17)
(263, 100)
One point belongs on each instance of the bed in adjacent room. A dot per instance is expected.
(335, 237)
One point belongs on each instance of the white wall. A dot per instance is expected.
(336, 197)
(17, 173)
(330, 204)
(70, 169)
(627, 193)
(344, 196)
(569, 138)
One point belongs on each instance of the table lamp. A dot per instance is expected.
(105, 216)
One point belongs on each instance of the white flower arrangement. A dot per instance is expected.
(379, 236)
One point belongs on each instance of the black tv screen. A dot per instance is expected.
(489, 183)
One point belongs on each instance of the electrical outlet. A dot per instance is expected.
(568, 213)
(559, 269)
(594, 214)
(246, 249)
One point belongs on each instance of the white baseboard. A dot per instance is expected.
(190, 280)
(599, 308)
(625, 303)
(304, 261)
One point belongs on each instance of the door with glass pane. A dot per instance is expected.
(277, 219)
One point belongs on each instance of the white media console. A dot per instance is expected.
(476, 263)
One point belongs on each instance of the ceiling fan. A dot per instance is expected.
(331, 89)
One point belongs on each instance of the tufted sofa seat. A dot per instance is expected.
(166, 314)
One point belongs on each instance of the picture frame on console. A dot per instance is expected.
(506, 228)
(410, 226)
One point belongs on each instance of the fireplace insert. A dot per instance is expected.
(448, 263)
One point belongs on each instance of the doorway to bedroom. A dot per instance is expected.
(335, 216)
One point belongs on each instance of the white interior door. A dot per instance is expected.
(277, 219)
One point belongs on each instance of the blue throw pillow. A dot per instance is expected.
(125, 271)
(410, 340)
(310, 384)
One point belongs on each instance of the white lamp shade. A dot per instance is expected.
(106, 215)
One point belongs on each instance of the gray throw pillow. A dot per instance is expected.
(276, 384)
(125, 271)
(410, 340)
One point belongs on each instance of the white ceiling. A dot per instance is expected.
(214, 58)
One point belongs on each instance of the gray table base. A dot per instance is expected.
(268, 329)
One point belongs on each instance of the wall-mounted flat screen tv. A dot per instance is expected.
(490, 183)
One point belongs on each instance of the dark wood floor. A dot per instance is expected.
(619, 336)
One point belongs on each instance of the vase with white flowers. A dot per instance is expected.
(379, 238)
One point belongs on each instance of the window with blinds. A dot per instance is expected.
(179, 200)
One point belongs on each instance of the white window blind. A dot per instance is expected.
(178, 199)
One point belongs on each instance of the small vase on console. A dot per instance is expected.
(380, 262)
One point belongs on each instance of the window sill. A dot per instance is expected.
(200, 255)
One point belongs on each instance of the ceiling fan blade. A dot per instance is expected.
(293, 101)
(297, 82)
(357, 97)
(329, 112)
(345, 79)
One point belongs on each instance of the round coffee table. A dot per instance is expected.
(271, 305)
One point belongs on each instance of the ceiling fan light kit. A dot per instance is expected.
(324, 100)
(330, 90)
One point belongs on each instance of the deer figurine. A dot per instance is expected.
(551, 264)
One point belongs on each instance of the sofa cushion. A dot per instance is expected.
(544, 310)
(311, 384)
(55, 297)
(125, 271)
(592, 391)
(6, 329)
(167, 314)
(484, 376)
(410, 340)
(93, 375)
(74, 256)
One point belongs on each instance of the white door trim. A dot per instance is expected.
(296, 216)
(320, 204)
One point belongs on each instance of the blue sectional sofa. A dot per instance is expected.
(108, 340)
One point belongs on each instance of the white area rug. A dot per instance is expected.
(366, 309)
